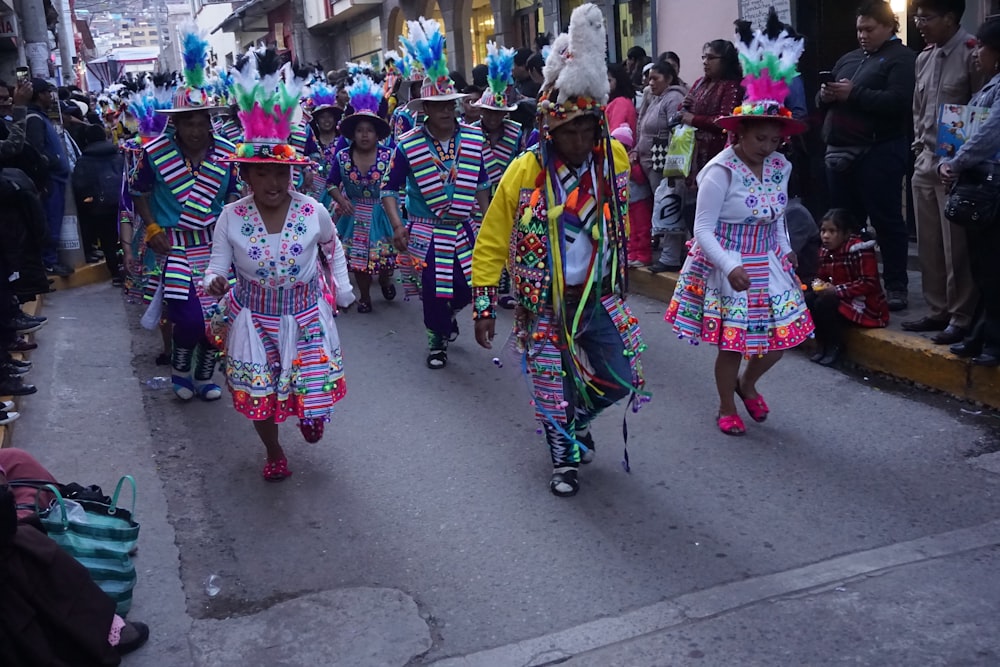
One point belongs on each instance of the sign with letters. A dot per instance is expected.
(755, 11)
(8, 25)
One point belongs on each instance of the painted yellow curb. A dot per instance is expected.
(900, 355)
(88, 274)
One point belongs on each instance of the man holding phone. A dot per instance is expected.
(868, 105)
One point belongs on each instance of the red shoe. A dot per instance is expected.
(21, 345)
(312, 429)
(275, 471)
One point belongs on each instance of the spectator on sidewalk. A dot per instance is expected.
(978, 153)
(43, 137)
(946, 74)
(866, 130)
(846, 288)
(97, 187)
(52, 613)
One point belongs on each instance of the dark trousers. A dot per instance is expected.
(8, 311)
(983, 248)
(101, 225)
(188, 319)
(872, 188)
(824, 306)
(55, 209)
(438, 312)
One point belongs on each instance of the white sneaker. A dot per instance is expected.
(6, 406)
(8, 417)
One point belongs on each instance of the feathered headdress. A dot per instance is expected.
(499, 76)
(144, 104)
(576, 72)
(192, 94)
(321, 97)
(268, 101)
(426, 46)
(366, 98)
(769, 59)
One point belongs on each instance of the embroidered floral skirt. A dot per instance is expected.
(367, 237)
(771, 315)
(283, 352)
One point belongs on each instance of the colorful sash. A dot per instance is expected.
(433, 177)
(449, 242)
(196, 192)
(497, 158)
(298, 138)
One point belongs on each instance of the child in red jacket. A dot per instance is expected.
(847, 288)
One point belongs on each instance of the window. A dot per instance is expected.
(991, 8)
(366, 39)
(481, 25)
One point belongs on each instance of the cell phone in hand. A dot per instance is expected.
(825, 77)
(22, 74)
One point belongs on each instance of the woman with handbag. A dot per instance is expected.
(661, 102)
(974, 174)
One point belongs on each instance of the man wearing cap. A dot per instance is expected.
(181, 183)
(44, 138)
(439, 164)
(560, 218)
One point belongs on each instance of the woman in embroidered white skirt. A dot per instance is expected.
(282, 348)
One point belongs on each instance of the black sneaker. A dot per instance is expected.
(898, 299)
(58, 269)
(19, 363)
(32, 318)
(14, 386)
(13, 371)
(8, 417)
(133, 635)
(22, 325)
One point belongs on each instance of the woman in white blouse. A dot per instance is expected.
(738, 288)
(282, 348)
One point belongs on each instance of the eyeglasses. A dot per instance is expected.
(924, 20)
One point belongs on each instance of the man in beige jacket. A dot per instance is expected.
(946, 74)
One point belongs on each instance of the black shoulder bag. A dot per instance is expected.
(974, 200)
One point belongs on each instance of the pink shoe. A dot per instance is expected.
(756, 406)
(732, 425)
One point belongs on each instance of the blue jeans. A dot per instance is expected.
(873, 188)
(600, 340)
(55, 209)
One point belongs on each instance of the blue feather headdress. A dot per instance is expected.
(194, 94)
(143, 106)
(426, 45)
(321, 96)
(366, 99)
(499, 76)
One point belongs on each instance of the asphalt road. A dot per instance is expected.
(421, 528)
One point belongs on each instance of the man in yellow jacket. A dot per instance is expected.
(560, 221)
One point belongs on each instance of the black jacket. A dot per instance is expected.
(880, 106)
(97, 178)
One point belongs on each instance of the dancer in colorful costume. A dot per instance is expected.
(325, 116)
(738, 289)
(142, 107)
(503, 137)
(560, 219)
(356, 184)
(407, 114)
(180, 186)
(440, 166)
(281, 343)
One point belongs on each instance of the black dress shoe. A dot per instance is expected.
(831, 356)
(13, 386)
(987, 359)
(950, 335)
(657, 267)
(898, 300)
(133, 635)
(965, 349)
(925, 324)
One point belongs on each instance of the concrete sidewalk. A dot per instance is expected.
(905, 356)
